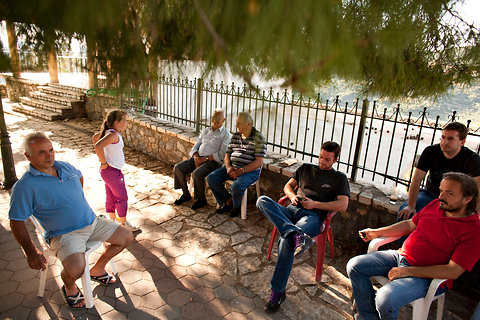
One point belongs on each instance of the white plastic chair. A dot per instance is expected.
(86, 281)
(420, 306)
(243, 208)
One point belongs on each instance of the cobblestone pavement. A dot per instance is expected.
(184, 264)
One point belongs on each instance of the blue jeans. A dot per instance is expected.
(287, 220)
(424, 198)
(390, 297)
(216, 181)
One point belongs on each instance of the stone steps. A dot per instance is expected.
(63, 92)
(36, 112)
(54, 102)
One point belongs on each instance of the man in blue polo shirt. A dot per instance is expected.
(52, 191)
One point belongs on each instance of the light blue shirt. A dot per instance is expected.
(58, 203)
(213, 143)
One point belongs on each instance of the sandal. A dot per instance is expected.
(73, 300)
(104, 279)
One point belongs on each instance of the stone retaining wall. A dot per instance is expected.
(18, 87)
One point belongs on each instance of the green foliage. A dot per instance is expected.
(4, 60)
(392, 48)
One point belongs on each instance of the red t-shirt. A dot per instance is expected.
(439, 239)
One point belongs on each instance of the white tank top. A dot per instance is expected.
(114, 152)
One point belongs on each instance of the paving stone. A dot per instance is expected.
(13, 300)
(205, 242)
(304, 274)
(235, 316)
(229, 227)
(248, 264)
(242, 304)
(141, 287)
(211, 281)
(190, 282)
(185, 260)
(167, 312)
(194, 310)
(226, 292)
(203, 295)
(194, 223)
(227, 261)
(178, 297)
(217, 219)
(253, 246)
(167, 285)
(240, 237)
(219, 307)
(177, 272)
(153, 300)
(172, 226)
(198, 270)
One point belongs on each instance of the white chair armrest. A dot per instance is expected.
(433, 288)
(378, 242)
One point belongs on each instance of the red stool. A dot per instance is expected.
(320, 239)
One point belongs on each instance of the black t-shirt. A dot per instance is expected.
(433, 160)
(321, 185)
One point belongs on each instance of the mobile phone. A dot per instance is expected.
(363, 234)
(301, 198)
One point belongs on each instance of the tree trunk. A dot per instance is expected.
(91, 63)
(12, 44)
(52, 61)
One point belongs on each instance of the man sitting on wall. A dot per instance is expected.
(448, 155)
(443, 242)
(242, 164)
(52, 192)
(320, 189)
(206, 156)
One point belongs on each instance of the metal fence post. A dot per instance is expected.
(358, 146)
(198, 104)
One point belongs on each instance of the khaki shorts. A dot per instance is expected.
(76, 241)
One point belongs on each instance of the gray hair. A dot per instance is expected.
(29, 140)
(245, 117)
(217, 113)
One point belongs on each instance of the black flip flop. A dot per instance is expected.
(73, 300)
(104, 279)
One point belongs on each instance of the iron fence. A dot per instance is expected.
(378, 145)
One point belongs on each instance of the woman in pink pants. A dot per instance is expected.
(109, 148)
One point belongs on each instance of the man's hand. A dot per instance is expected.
(236, 173)
(307, 203)
(199, 161)
(398, 272)
(407, 213)
(37, 260)
(368, 234)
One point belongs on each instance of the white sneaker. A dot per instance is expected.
(131, 226)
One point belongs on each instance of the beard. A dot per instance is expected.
(448, 208)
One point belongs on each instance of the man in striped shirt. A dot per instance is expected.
(242, 164)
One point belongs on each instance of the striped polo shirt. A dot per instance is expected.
(244, 151)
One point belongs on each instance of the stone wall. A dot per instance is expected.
(18, 87)
(3, 90)
(170, 142)
(97, 104)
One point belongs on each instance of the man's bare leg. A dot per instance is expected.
(73, 267)
(118, 241)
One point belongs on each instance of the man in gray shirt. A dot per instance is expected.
(206, 156)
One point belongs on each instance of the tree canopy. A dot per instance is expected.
(392, 48)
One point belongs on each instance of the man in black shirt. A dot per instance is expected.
(320, 189)
(449, 155)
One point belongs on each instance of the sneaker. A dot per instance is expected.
(199, 204)
(302, 243)
(131, 226)
(276, 299)
(224, 208)
(235, 212)
(183, 198)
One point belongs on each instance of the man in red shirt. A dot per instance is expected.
(443, 242)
